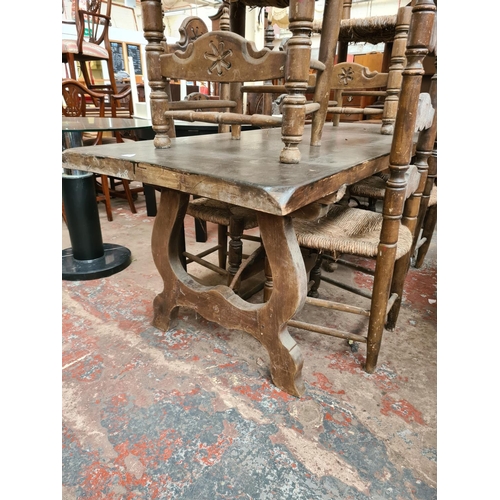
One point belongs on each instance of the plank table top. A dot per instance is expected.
(245, 172)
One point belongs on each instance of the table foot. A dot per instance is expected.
(266, 322)
(163, 316)
(115, 259)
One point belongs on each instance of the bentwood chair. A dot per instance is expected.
(385, 237)
(92, 43)
(81, 101)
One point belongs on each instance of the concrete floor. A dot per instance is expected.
(192, 413)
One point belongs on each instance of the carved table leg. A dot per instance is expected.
(288, 296)
(266, 322)
(166, 248)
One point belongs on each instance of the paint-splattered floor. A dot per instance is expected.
(192, 413)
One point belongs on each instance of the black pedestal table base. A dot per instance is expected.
(88, 258)
(115, 259)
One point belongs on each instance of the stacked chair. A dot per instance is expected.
(348, 79)
(92, 43)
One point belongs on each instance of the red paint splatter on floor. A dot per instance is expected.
(419, 283)
(119, 400)
(383, 377)
(211, 454)
(363, 280)
(88, 369)
(346, 362)
(345, 422)
(324, 384)
(257, 393)
(402, 409)
(96, 476)
(178, 340)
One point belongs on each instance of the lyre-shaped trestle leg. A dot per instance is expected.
(167, 245)
(289, 289)
(266, 322)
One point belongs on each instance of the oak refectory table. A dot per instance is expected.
(246, 173)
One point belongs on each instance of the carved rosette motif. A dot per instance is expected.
(218, 57)
(346, 75)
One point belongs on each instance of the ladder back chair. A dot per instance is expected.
(373, 188)
(386, 237)
(228, 60)
(349, 79)
(229, 219)
(237, 63)
(92, 43)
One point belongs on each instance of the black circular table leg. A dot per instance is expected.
(88, 258)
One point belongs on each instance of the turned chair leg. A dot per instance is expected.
(235, 255)
(268, 285)
(428, 227)
(315, 278)
(401, 267)
(128, 194)
(222, 241)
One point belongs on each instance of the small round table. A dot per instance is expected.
(88, 257)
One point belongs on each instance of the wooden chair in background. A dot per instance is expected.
(78, 100)
(386, 237)
(92, 44)
(373, 189)
(350, 80)
(427, 217)
(123, 106)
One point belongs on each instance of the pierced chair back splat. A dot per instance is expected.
(92, 43)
